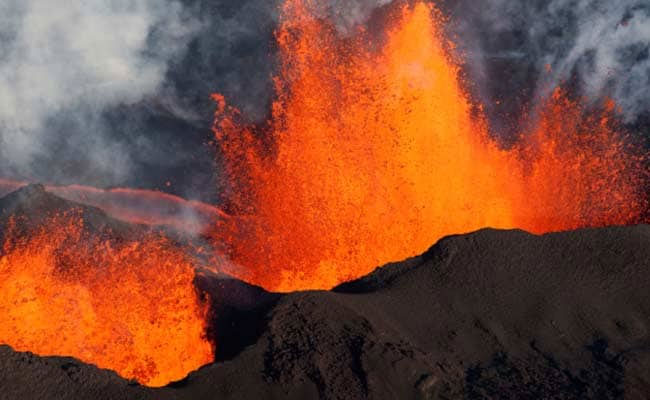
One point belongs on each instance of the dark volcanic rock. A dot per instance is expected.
(33, 205)
(488, 315)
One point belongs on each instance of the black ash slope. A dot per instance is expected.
(488, 315)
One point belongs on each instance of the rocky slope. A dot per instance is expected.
(487, 315)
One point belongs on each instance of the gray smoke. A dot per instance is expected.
(234, 52)
(609, 52)
(62, 63)
(524, 49)
(347, 14)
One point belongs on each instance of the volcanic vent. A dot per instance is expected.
(77, 283)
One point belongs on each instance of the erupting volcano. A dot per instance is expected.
(374, 151)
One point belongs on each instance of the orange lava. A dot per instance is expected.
(127, 305)
(373, 153)
(578, 170)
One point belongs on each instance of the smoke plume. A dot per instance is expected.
(519, 51)
(61, 65)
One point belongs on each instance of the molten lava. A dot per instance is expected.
(577, 170)
(373, 153)
(126, 305)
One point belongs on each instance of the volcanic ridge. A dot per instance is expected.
(488, 315)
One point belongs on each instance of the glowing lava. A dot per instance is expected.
(373, 153)
(577, 170)
(127, 305)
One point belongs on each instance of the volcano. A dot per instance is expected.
(184, 249)
(490, 314)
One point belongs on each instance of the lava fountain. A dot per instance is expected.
(374, 151)
(126, 305)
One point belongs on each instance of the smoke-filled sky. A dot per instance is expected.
(517, 51)
(62, 66)
(116, 92)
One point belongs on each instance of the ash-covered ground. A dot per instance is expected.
(487, 315)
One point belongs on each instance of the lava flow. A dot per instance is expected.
(374, 152)
(126, 305)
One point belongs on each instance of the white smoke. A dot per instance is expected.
(610, 53)
(349, 13)
(76, 58)
(602, 44)
(346, 14)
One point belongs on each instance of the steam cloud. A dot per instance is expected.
(61, 64)
(599, 46)
(348, 13)
(609, 52)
